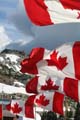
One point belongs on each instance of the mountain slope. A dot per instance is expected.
(10, 66)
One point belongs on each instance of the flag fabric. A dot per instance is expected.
(18, 107)
(62, 61)
(36, 55)
(68, 86)
(44, 83)
(40, 60)
(72, 53)
(55, 70)
(52, 101)
(1, 112)
(47, 12)
(30, 113)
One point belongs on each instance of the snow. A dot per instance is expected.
(13, 58)
(17, 68)
(18, 83)
(11, 61)
(11, 89)
(1, 59)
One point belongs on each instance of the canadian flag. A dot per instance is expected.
(0, 112)
(68, 86)
(43, 61)
(36, 55)
(42, 83)
(19, 107)
(62, 61)
(52, 101)
(72, 53)
(47, 12)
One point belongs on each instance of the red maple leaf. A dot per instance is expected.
(49, 85)
(42, 101)
(71, 4)
(8, 107)
(16, 109)
(60, 62)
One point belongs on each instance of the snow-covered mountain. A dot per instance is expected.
(10, 66)
(11, 59)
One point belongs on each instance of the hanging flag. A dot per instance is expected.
(43, 61)
(68, 86)
(35, 56)
(18, 107)
(62, 61)
(1, 112)
(29, 110)
(52, 101)
(43, 83)
(72, 53)
(47, 12)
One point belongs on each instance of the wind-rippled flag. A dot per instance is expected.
(47, 12)
(19, 107)
(63, 61)
(68, 86)
(52, 101)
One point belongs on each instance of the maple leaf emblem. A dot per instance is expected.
(49, 85)
(16, 109)
(42, 101)
(71, 4)
(60, 62)
(8, 107)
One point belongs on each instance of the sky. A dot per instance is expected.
(18, 32)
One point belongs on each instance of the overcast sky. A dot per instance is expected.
(17, 31)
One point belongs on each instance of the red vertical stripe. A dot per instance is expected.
(71, 88)
(29, 107)
(37, 12)
(32, 85)
(29, 69)
(35, 56)
(58, 100)
(0, 111)
(76, 58)
(29, 111)
(37, 53)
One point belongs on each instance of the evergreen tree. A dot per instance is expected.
(77, 113)
(49, 116)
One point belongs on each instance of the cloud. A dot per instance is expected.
(21, 21)
(4, 39)
(11, 38)
(20, 44)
